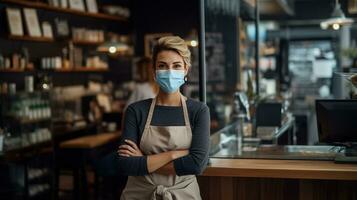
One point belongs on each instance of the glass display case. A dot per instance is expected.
(25, 127)
(225, 143)
(25, 119)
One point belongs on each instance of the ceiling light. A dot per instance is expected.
(112, 49)
(336, 26)
(337, 19)
(193, 43)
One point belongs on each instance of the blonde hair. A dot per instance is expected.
(172, 43)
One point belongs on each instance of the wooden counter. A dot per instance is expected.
(262, 179)
(90, 141)
(295, 169)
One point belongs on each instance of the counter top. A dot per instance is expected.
(90, 141)
(294, 169)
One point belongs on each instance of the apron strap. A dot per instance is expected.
(185, 111)
(151, 112)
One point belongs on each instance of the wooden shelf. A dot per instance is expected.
(17, 70)
(28, 121)
(45, 6)
(83, 42)
(29, 38)
(21, 150)
(82, 69)
(33, 121)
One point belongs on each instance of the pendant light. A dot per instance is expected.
(337, 19)
(115, 45)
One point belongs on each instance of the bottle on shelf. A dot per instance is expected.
(30, 109)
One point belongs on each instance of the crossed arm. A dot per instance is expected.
(159, 163)
(131, 160)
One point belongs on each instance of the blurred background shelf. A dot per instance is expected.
(31, 39)
(15, 70)
(83, 42)
(44, 6)
(82, 69)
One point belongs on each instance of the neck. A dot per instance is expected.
(169, 99)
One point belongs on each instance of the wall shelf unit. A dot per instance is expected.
(12, 70)
(83, 42)
(82, 69)
(31, 39)
(64, 70)
(44, 6)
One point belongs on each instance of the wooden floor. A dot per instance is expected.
(229, 188)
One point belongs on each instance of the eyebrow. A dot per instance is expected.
(177, 62)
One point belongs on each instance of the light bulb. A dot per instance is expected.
(112, 49)
(336, 26)
(193, 43)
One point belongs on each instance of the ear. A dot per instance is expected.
(186, 69)
(154, 74)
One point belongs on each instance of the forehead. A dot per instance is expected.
(169, 56)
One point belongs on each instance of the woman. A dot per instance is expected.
(145, 87)
(165, 139)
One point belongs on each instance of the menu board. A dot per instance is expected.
(215, 57)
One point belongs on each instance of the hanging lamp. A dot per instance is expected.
(337, 19)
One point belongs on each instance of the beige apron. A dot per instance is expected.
(157, 139)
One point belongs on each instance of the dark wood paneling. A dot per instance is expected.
(229, 188)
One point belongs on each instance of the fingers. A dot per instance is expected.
(127, 147)
(124, 152)
(131, 143)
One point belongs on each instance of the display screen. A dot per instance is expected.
(337, 121)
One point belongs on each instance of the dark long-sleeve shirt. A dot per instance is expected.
(134, 123)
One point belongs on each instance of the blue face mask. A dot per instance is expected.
(170, 80)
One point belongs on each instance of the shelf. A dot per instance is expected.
(21, 150)
(29, 121)
(45, 6)
(32, 39)
(83, 42)
(17, 70)
(83, 69)
(32, 121)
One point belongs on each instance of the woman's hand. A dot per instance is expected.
(129, 149)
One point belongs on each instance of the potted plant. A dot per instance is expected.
(353, 80)
(351, 53)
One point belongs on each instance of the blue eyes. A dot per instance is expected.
(165, 66)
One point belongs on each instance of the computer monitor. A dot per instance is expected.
(337, 121)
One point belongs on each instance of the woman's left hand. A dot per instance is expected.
(129, 149)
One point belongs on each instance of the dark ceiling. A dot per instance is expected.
(305, 10)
